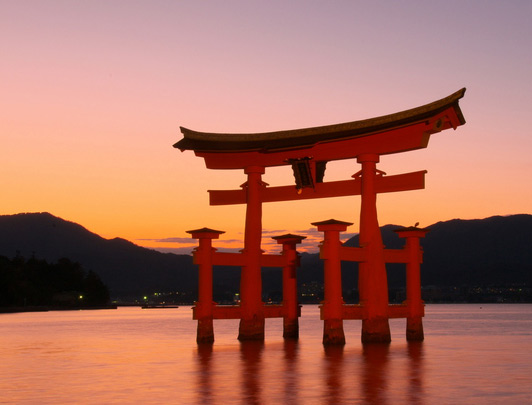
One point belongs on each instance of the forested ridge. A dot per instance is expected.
(35, 283)
(464, 261)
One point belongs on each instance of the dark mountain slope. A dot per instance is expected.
(495, 250)
(491, 251)
(123, 266)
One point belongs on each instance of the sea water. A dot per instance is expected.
(472, 354)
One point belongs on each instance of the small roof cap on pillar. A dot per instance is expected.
(205, 233)
(411, 231)
(289, 238)
(332, 225)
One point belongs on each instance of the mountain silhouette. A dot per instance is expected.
(495, 250)
(127, 269)
(481, 252)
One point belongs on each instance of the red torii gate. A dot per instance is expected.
(307, 151)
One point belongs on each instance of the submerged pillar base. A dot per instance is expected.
(333, 332)
(251, 329)
(205, 333)
(376, 330)
(414, 329)
(290, 328)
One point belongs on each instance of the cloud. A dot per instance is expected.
(188, 250)
(170, 240)
(310, 244)
(274, 232)
(177, 251)
(186, 241)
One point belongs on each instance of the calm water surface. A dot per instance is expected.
(472, 354)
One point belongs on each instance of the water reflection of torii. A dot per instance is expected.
(307, 151)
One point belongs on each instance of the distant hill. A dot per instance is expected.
(491, 251)
(495, 250)
(127, 269)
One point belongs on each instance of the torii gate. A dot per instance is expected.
(308, 150)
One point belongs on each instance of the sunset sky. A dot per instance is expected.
(92, 94)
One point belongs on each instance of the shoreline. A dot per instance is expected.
(14, 310)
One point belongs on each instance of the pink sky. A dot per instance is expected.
(92, 94)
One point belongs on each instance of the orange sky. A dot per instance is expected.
(93, 93)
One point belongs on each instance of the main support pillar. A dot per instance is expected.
(203, 310)
(252, 321)
(372, 281)
(331, 311)
(290, 304)
(415, 311)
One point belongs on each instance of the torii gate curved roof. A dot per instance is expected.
(393, 133)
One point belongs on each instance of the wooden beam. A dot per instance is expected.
(342, 188)
(395, 255)
(352, 254)
(410, 137)
(228, 259)
(235, 311)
